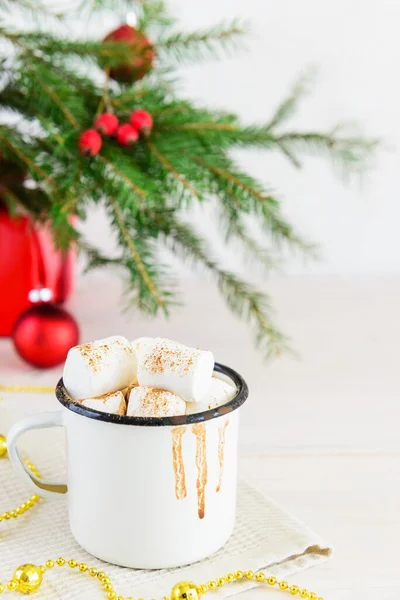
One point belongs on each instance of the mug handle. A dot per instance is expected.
(41, 421)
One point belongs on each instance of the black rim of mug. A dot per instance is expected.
(242, 394)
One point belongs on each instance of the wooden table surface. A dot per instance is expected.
(321, 432)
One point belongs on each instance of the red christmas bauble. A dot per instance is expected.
(44, 333)
(107, 124)
(90, 142)
(127, 135)
(142, 56)
(142, 121)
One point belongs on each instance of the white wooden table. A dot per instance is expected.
(320, 434)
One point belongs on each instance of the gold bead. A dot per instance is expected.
(12, 585)
(304, 593)
(108, 587)
(50, 564)
(3, 445)
(27, 578)
(202, 589)
(283, 585)
(185, 590)
(105, 580)
(320, 599)
(6, 516)
(61, 562)
(2, 588)
(42, 569)
(14, 514)
(212, 585)
(238, 574)
(120, 598)
(221, 581)
(72, 563)
(111, 595)
(249, 574)
(260, 577)
(313, 596)
(271, 580)
(132, 598)
(101, 574)
(83, 567)
(294, 589)
(230, 577)
(92, 572)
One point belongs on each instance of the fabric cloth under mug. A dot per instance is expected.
(143, 492)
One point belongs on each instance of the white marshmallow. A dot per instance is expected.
(171, 366)
(147, 401)
(114, 403)
(219, 393)
(94, 369)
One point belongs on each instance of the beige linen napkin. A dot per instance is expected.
(265, 537)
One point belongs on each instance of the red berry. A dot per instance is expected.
(107, 124)
(142, 54)
(127, 135)
(142, 121)
(90, 142)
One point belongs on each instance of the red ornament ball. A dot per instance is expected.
(127, 135)
(106, 124)
(90, 142)
(43, 334)
(142, 54)
(142, 121)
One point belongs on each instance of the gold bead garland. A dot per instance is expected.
(28, 577)
(34, 499)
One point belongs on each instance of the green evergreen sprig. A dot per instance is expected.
(53, 86)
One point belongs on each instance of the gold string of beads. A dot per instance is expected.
(28, 578)
(27, 388)
(20, 510)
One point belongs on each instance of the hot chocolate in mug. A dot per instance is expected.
(145, 493)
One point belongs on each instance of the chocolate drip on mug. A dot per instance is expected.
(177, 460)
(199, 431)
(221, 453)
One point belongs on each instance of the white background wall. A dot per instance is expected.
(356, 45)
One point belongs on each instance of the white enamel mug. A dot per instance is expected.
(145, 493)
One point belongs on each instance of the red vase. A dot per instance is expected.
(28, 259)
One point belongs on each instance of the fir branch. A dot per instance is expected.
(232, 223)
(242, 299)
(52, 85)
(198, 45)
(250, 199)
(46, 44)
(290, 104)
(167, 165)
(56, 99)
(17, 151)
(143, 271)
(127, 180)
(350, 153)
(153, 13)
(198, 127)
(35, 7)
